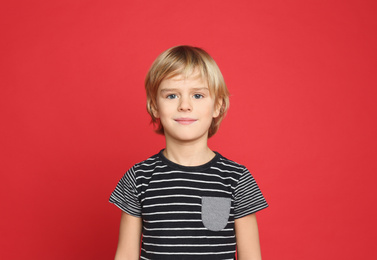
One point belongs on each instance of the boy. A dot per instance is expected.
(187, 202)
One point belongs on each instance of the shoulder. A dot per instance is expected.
(153, 160)
(228, 164)
(230, 168)
(146, 167)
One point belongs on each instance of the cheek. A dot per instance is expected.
(164, 109)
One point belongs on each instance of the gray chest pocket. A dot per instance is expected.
(215, 212)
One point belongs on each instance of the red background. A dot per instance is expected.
(302, 75)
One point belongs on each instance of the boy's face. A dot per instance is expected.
(185, 108)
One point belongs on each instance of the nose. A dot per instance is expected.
(184, 105)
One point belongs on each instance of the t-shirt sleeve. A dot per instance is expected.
(248, 196)
(125, 195)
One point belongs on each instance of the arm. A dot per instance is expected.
(129, 238)
(247, 238)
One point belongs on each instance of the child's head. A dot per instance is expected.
(186, 61)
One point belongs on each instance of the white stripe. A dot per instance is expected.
(196, 245)
(198, 173)
(177, 220)
(187, 253)
(185, 188)
(152, 229)
(170, 204)
(171, 196)
(187, 180)
(233, 166)
(215, 168)
(174, 220)
(172, 212)
(151, 170)
(190, 237)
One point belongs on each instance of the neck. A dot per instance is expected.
(188, 154)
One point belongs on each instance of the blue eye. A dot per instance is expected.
(198, 96)
(171, 96)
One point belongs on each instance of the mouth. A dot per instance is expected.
(185, 121)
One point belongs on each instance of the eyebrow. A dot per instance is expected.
(175, 89)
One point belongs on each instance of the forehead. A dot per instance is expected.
(181, 80)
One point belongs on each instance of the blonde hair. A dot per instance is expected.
(185, 60)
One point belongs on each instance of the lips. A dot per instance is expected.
(185, 121)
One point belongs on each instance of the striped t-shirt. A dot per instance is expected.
(188, 212)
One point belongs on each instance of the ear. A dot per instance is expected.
(155, 112)
(218, 107)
